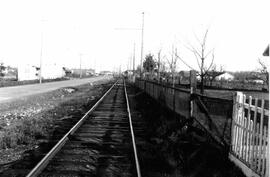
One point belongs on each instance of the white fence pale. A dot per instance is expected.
(250, 133)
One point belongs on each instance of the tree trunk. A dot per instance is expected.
(202, 84)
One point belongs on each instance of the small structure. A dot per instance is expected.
(52, 71)
(48, 71)
(27, 72)
(225, 76)
(107, 73)
(85, 72)
(258, 81)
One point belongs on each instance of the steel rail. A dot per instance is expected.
(44, 162)
(132, 134)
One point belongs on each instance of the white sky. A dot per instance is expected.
(239, 30)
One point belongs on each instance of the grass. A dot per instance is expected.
(24, 131)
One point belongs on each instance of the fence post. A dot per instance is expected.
(233, 123)
(144, 85)
(193, 86)
(268, 150)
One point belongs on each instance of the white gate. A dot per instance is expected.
(250, 133)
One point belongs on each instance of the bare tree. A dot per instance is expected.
(213, 73)
(201, 54)
(172, 64)
(149, 64)
(264, 72)
(160, 64)
(2, 69)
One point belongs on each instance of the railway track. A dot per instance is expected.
(102, 143)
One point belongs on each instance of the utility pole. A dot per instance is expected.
(41, 51)
(142, 35)
(40, 59)
(159, 65)
(80, 65)
(142, 44)
(134, 58)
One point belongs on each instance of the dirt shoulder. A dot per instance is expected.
(27, 121)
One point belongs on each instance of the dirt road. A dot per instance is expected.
(9, 93)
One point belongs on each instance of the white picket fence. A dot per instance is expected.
(250, 133)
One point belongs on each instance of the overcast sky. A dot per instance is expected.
(239, 30)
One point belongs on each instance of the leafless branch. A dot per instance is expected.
(213, 57)
(210, 51)
(184, 62)
(205, 37)
(198, 40)
(192, 49)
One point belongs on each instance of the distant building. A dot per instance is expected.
(184, 75)
(85, 72)
(27, 72)
(52, 71)
(258, 81)
(225, 76)
(48, 71)
(105, 73)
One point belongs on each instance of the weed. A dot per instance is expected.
(24, 131)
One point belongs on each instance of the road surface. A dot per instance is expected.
(9, 93)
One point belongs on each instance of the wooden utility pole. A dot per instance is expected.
(41, 50)
(193, 86)
(173, 65)
(80, 65)
(159, 66)
(40, 60)
(134, 45)
(141, 67)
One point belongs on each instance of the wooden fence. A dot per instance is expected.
(244, 122)
(250, 129)
(216, 122)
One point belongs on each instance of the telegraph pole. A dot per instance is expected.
(142, 44)
(80, 65)
(142, 36)
(134, 57)
(40, 59)
(41, 50)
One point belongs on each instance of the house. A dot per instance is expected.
(184, 75)
(48, 71)
(105, 73)
(27, 72)
(85, 72)
(258, 81)
(225, 76)
(52, 71)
